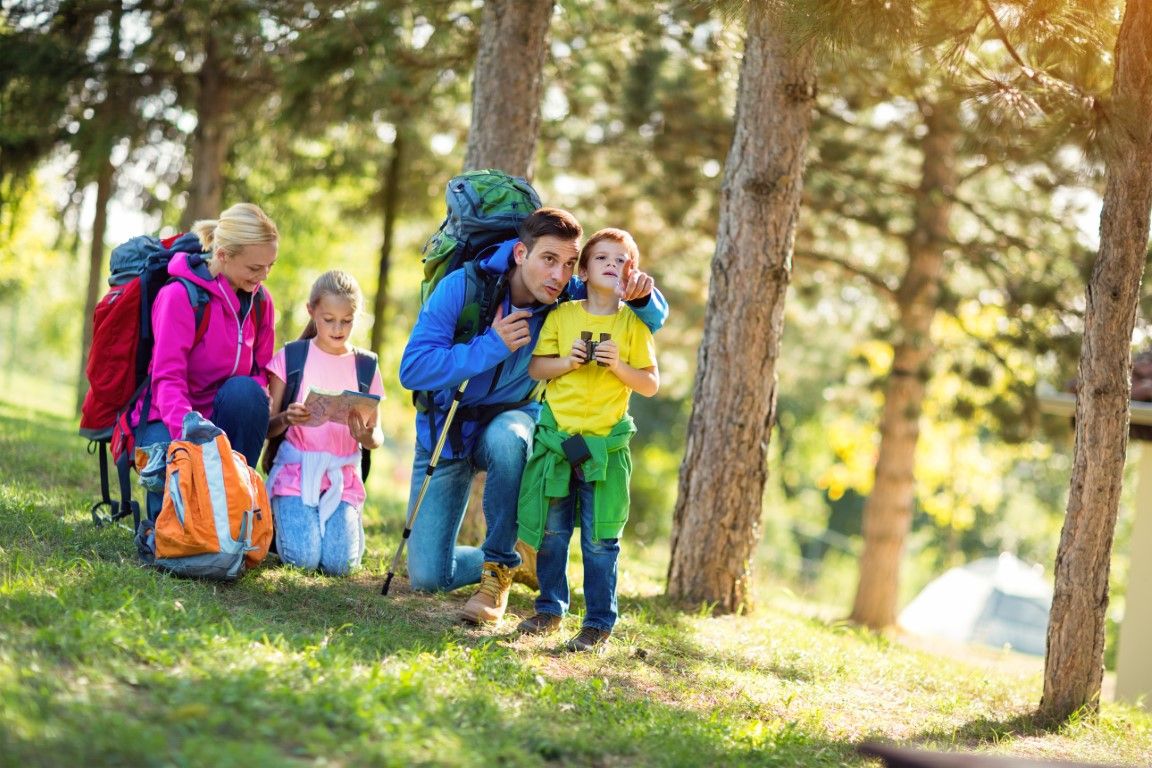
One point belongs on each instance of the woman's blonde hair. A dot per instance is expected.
(338, 283)
(242, 224)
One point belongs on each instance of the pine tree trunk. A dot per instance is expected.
(508, 84)
(716, 522)
(390, 200)
(95, 268)
(888, 511)
(212, 139)
(1073, 667)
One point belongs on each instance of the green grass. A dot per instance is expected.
(104, 662)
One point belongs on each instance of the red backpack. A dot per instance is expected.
(121, 352)
(122, 336)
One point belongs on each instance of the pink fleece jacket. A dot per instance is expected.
(185, 377)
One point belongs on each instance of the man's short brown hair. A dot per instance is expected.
(544, 222)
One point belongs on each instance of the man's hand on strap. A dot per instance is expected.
(513, 329)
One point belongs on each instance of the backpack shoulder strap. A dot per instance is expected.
(366, 363)
(365, 368)
(198, 298)
(483, 293)
(295, 356)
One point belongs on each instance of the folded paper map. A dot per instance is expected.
(332, 405)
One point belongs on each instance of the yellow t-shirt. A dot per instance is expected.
(591, 400)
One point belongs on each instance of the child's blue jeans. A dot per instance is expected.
(600, 559)
(240, 408)
(298, 539)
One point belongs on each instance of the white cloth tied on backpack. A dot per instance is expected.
(314, 467)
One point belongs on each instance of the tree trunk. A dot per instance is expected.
(888, 511)
(1073, 666)
(716, 522)
(390, 200)
(95, 267)
(212, 138)
(507, 85)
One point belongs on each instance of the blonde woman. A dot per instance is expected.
(215, 366)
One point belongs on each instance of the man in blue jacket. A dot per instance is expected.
(493, 425)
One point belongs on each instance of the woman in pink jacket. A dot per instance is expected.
(218, 367)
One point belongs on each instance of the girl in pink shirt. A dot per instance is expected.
(315, 485)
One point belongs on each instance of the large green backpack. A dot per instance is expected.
(485, 208)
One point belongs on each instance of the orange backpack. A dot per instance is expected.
(216, 518)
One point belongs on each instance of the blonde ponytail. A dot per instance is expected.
(242, 224)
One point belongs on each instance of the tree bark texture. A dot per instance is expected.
(390, 201)
(716, 524)
(507, 85)
(1073, 666)
(888, 510)
(212, 139)
(95, 267)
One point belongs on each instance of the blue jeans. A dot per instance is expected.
(435, 562)
(240, 408)
(299, 542)
(600, 558)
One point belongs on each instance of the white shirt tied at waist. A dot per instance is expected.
(314, 466)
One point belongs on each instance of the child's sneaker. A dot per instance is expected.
(540, 624)
(589, 639)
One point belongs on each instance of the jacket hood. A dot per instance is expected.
(499, 260)
(192, 267)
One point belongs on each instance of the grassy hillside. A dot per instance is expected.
(103, 662)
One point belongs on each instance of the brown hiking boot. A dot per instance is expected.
(540, 624)
(589, 639)
(490, 600)
(525, 573)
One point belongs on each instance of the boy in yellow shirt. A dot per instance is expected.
(580, 463)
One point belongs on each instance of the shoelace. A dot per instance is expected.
(490, 584)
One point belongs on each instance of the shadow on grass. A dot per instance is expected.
(311, 666)
(493, 711)
(986, 732)
(304, 608)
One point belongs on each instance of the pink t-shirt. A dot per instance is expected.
(323, 371)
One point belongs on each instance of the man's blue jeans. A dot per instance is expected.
(435, 562)
(600, 559)
(240, 408)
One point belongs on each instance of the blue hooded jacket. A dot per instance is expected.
(431, 362)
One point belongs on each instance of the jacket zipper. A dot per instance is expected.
(239, 331)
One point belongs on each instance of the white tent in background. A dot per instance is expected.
(997, 601)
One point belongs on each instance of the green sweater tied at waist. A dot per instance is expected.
(548, 475)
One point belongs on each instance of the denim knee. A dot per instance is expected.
(240, 408)
(241, 389)
(297, 529)
(508, 438)
(602, 546)
(427, 576)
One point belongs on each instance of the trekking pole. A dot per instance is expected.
(423, 486)
(487, 313)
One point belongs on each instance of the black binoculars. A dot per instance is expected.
(590, 346)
